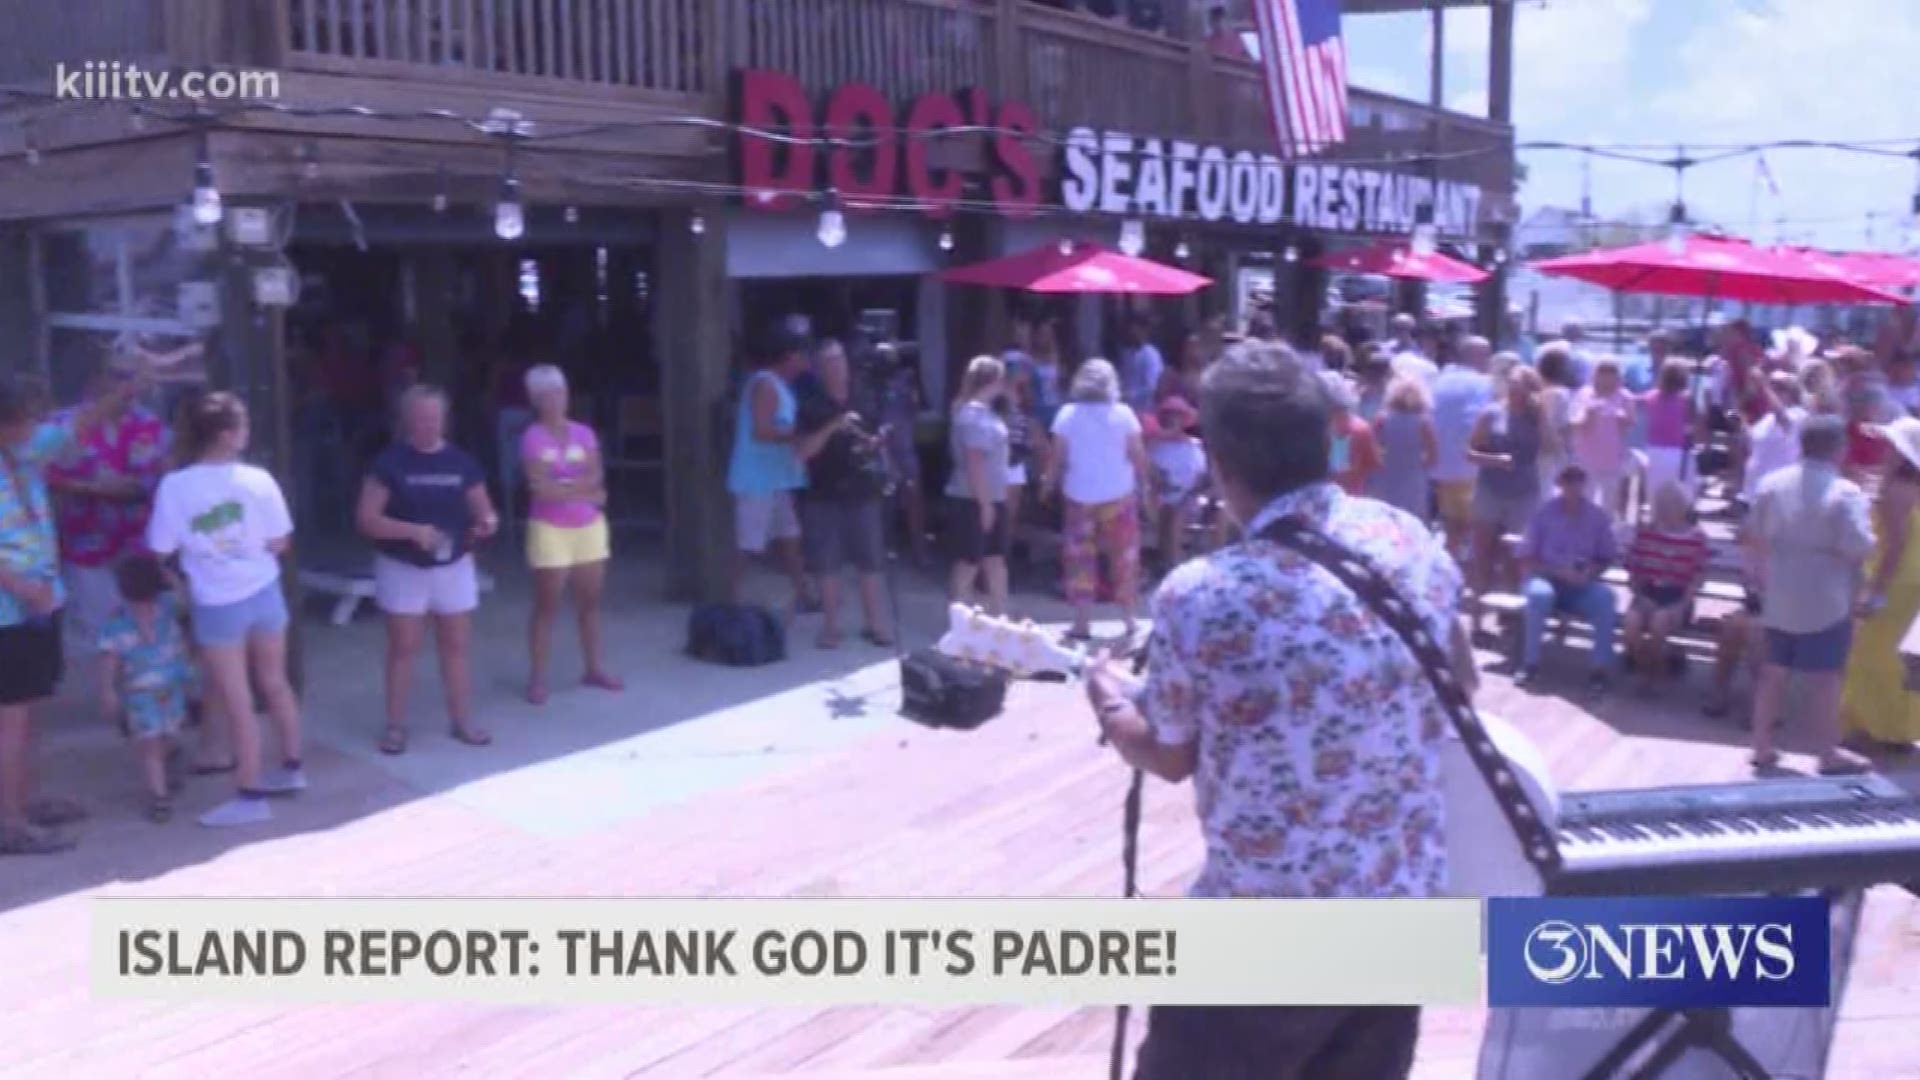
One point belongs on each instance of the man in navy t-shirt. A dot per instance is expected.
(424, 504)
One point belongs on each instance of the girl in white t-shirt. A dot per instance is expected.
(227, 522)
(1180, 475)
(1099, 464)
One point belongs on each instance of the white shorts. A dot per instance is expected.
(1016, 475)
(761, 519)
(404, 589)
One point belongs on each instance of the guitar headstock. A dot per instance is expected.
(1019, 648)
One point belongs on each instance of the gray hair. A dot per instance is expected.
(422, 392)
(1475, 351)
(1267, 420)
(544, 377)
(1823, 437)
(1339, 394)
(1096, 381)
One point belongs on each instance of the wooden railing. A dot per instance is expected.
(902, 47)
(1073, 68)
(647, 44)
(40, 36)
(1098, 73)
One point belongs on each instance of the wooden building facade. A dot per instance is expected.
(394, 122)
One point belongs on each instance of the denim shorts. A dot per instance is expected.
(1823, 652)
(265, 612)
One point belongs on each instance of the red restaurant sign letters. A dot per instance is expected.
(895, 160)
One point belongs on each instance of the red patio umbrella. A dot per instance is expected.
(1396, 260)
(1880, 269)
(1077, 268)
(1716, 267)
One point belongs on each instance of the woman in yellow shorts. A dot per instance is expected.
(567, 543)
(1877, 711)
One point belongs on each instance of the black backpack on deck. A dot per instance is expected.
(940, 691)
(739, 635)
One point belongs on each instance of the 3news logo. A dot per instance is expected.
(1692, 952)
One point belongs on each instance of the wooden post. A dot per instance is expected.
(1009, 55)
(1493, 294)
(691, 339)
(19, 322)
(434, 276)
(253, 340)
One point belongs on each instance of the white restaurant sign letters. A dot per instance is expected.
(1115, 173)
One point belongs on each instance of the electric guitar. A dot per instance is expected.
(1483, 854)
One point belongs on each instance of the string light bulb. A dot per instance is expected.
(1292, 254)
(1066, 246)
(946, 240)
(32, 146)
(832, 229)
(698, 225)
(1426, 238)
(440, 193)
(1182, 252)
(1133, 236)
(571, 214)
(207, 207)
(509, 214)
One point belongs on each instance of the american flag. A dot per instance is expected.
(1303, 60)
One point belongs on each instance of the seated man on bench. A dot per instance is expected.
(1568, 546)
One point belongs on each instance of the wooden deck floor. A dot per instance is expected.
(1027, 806)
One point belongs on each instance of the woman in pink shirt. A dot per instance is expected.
(567, 541)
(1599, 421)
(1670, 423)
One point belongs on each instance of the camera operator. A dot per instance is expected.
(840, 518)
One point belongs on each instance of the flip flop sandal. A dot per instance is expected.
(393, 741)
(827, 641)
(876, 638)
(159, 809)
(33, 842)
(51, 813)
(470, 738)
(1844, 767)
(213, 768)
(1763, 762)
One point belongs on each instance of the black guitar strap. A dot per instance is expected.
(1385, 601)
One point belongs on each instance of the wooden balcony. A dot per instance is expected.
(594, 58)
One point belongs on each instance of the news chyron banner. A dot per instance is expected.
(803, 952)
(1678, 953)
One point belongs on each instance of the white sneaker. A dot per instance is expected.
(237, 811)
(283, 781)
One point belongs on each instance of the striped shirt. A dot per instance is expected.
(1664, 560)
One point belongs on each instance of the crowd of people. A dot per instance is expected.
(152, 551)
(1317, 769)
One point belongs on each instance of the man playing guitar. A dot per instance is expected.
(1313, 739)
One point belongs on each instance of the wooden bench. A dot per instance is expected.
(350, 588)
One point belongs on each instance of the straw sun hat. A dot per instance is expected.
(1904, 434)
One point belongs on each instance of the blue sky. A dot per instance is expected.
(1702, 71)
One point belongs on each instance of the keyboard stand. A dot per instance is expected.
(1710, 1030)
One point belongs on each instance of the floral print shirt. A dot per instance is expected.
(27, 544)
(97, 532)
(1319, 736)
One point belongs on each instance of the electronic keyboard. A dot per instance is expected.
(1776, 835)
